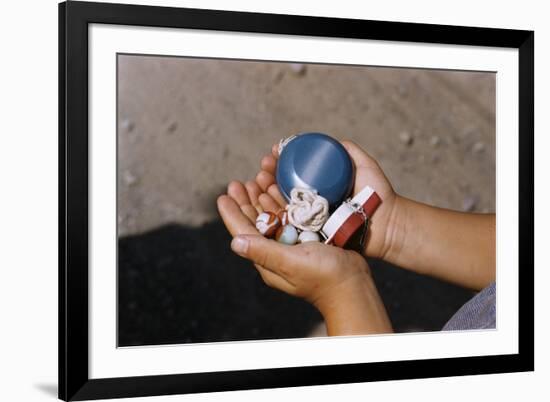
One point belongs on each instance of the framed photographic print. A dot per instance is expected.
(258, 200)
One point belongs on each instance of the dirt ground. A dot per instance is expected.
(188, 126)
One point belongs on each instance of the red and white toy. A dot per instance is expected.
(350, 217)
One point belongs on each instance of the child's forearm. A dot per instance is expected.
(454, 246)
(355, 308)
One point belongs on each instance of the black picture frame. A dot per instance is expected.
(74, 18)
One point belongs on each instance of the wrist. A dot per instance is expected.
(396, 230)
(354, 307)
(405, 236)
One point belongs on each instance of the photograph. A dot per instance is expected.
(253, 200)
(271, 200)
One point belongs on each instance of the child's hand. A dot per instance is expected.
(367, 172)
(449, 245)
(335, 280)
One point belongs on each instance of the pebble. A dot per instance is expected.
(298, 68)
(469, 203)
(127, 125)
(406, 138)
(172, 127)
(434, 141)
(478, 147)
(129, 178)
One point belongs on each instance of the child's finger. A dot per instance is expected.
(254, 192)
(264, 180)
(233, 217)
(269, 254)
(269, 164)
(275, 151)
(273, 280)
(268, 203)
(274, 192)
(238, 192)
(359, 156)
(250, 212)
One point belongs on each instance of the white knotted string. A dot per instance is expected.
(307, 209)
(283, 143)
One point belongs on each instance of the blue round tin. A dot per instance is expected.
(319, 162)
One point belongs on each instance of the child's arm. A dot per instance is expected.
(336, 281)
(453, 246)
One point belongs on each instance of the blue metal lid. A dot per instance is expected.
(317, 161)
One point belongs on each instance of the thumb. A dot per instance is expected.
(359, 156)
(267, 253)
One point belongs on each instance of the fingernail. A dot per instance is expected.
(239, 244)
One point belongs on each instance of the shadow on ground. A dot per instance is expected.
(180, 284)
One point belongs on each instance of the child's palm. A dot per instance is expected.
(306, 270)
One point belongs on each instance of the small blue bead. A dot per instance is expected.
(317, 161)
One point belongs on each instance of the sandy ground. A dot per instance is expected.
(187, 127)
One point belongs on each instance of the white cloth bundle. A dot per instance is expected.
(307, 209)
